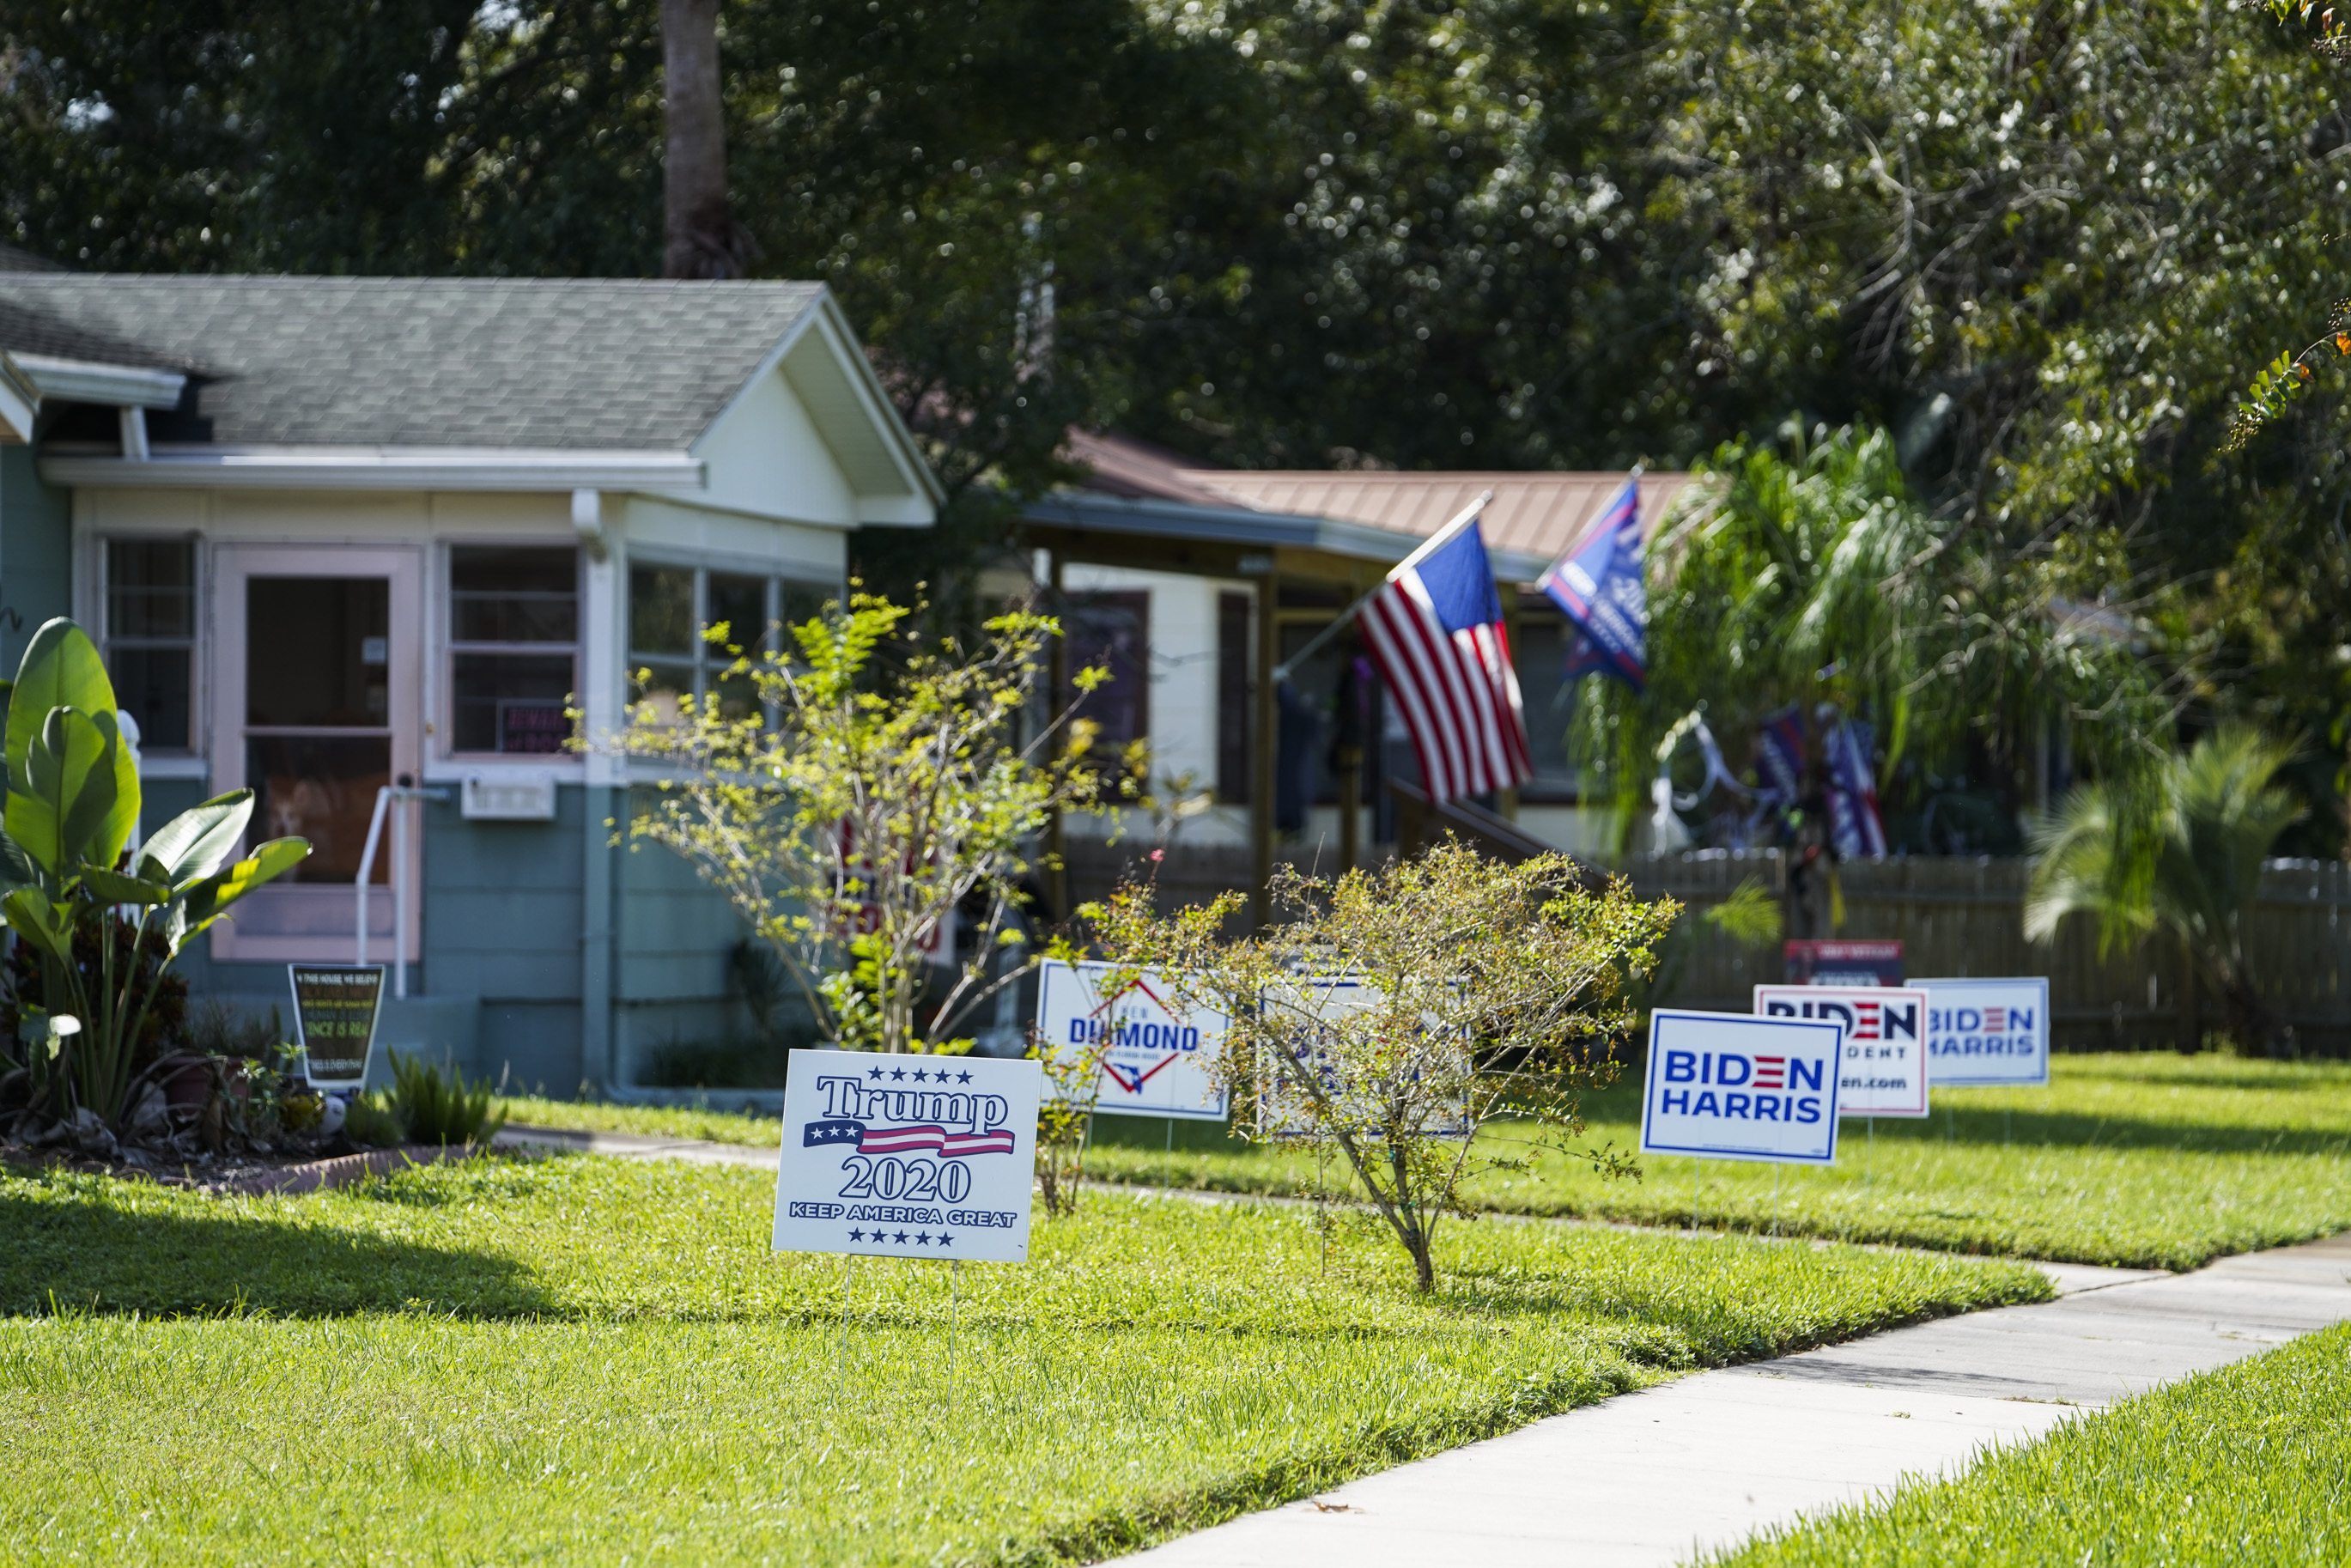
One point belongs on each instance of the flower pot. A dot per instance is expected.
(185, 1079)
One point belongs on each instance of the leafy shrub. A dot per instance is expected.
(214, 1027)
(1395, 1011)
(142, 957)
(370, 1124)
(435, 1105)
(725, 1064)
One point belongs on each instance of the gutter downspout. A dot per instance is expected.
(601, 676)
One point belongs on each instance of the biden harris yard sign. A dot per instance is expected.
(1987, 1032)
(1732, 1086)
(1884, 1065)
(1156, 1061)
(907, 1157)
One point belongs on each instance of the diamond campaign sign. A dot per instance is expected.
(1732, 1086)
(1988, 1032)
(1158, 1062)
(907, 1157)
(1884, 1068)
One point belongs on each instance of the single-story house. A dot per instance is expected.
(335, 534)
(1182, 577)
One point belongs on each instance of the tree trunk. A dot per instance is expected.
(700, 237)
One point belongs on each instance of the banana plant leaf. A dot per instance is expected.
(61, 668)
(194, 844)
(114, 887)
(208, 900)
(47, 925)
(65, 796)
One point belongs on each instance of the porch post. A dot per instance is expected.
(1269, 743)
(1057, 872)
(604, 806)
(1505, 800)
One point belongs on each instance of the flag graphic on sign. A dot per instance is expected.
(1599, 587)
(1436, 633)
(914, 1140)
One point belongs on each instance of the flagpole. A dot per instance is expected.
(1467, 515)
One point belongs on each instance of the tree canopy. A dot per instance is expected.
(2042, 246)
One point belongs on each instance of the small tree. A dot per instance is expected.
(1478, 991)
(852, 814)
(2178, 844)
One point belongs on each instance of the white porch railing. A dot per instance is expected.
(384, 799)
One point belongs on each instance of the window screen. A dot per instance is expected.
(514, 645)
(151, 635)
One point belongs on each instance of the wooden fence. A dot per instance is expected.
(1961, 917)
(1955, 917)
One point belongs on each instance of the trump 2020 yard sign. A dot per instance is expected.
(1884, 1071)
(1732, 1086)
(1987, 1032)
(907, 1157)
(1156, 1059)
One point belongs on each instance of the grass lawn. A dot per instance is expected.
(653, 1120)
(2244, 1465)
(2152, 1161)
(589, 1360)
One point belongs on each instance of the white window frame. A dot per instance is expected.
(706, 661)
(107, 639)
(450, 647)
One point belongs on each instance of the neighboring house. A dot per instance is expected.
(338, 533)
(1163, 563)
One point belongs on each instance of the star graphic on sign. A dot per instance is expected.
(964, 1078)
(857, 1236)
(901, 1072)
(874, 1073)
(902, 1238)
(925, 1238)
(920, 1075)
(946, 1240)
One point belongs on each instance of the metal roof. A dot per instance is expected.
(1138, 489)
(1533, 516)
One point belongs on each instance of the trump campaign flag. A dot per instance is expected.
(1436, 631)
(1855, 826)
(1599, 587)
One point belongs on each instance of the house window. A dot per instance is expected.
(513, 647)
(151, 635)
(1236, 616)
(1113, 631)
(1543, 642)
(669, 607)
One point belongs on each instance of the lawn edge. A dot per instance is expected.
(1155, 1520)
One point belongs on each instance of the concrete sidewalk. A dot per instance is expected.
(636, 1146)
(1655, 1478)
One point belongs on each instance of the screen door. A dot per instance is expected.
(320, 665)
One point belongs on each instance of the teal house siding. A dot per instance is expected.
(676, 936)
(502, 902)
(35, 554)
(502, 924)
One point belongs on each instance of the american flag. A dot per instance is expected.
(1436, 632)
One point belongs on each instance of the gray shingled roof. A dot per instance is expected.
(510, 363)
(12, 259)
